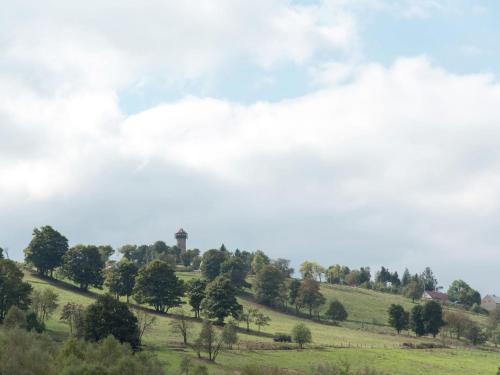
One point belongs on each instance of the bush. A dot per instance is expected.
(282, 337)
(344, 368)
(15, 318)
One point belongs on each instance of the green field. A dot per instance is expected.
(364, 340)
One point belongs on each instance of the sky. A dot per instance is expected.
(361, 132)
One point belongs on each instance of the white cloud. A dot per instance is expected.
(118, 43)
(392, 162)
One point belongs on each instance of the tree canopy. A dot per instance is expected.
(459, 291)
(106, 317)
(84, 265)
(46, 249)
(13, 291)
(220, 300)
(157, 285)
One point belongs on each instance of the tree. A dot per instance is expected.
(284, 266)
(145, 322)
(74, 315)
(336, 311)
(428, 279)
(13, 291)
(459, 291)
(157, 285)
(309, 295)
(456, 322)
(293, 292)
(33, 324)
(181, 325)
(307, 270)
(475, 334)
(247, 316)
(398, 318)
(495, 336)
(318, 271)
(44, 303)
(195, 290)
(121, 278)
(301, 334)
(46, 250)
(220, 300)
(106, 317)
(209, 340)
(260, 319)
(229, 335)
(405, 280)
(259, 261)
(211, 263)
(83, 265)
(15, 318)
(234, 269)
(1, 253)
(414, 290)
(337, 274)
(105, 251)
(268, 285)
(417, 320)
(433, 317)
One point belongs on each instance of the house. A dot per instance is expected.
(490, 302)
(435, 296)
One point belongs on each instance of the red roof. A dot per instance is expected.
(437, 295)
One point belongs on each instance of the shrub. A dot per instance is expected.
(282, 337)
(15, 318)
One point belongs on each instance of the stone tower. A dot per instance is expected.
(181, 237)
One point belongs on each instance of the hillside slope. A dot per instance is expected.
(360, 344)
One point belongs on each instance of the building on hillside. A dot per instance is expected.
(181, 237)
(435, 296)
(490, 302)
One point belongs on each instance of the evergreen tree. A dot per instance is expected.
(417, 320)
(433, 317)
(398, 318)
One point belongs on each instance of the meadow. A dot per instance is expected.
(364, 340)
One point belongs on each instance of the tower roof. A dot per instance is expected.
(181, 231)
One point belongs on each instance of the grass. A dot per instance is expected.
(363, 341)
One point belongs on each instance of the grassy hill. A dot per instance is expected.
(364, 340)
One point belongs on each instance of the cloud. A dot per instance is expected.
(397, 165)
(381, 165)
(69, 45)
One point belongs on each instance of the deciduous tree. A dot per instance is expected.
(84, 265)
(157, 285)
(336, 311)
(46, 250)
(301, 334)
(268, 285)
(106, 317)
(13, 291)
(220, 300)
